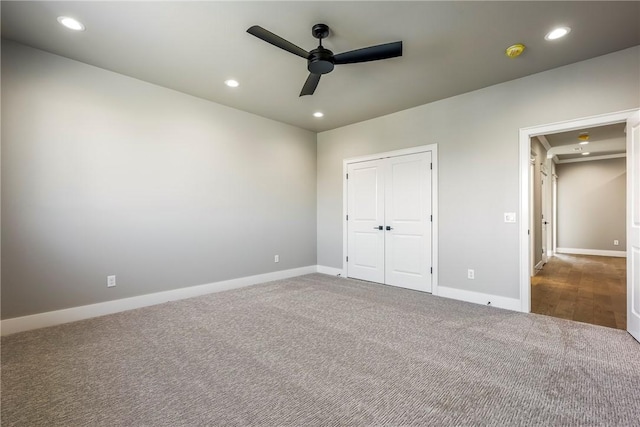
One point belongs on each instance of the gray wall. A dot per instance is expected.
(592, 204)
(104, 174)
(477, 137)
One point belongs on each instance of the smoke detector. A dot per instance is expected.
(514, 50)
(584, 138)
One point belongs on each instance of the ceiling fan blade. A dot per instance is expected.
(277, 41)
(372, 53)
(310, 85)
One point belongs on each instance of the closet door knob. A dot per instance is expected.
(389, 228)
(377, 227)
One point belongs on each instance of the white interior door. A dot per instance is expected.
(554, 214)
(633, 218)
(543, 210)
(365, 234)
(389, 233)
(408, 222)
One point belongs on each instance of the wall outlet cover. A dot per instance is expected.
(509, 217)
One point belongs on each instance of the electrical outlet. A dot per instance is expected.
(471, 274)
(111, 281)
(616, 243)
(276, 258)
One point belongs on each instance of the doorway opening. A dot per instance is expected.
(579, 278)
(559, 153)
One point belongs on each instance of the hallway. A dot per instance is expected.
(590, 289)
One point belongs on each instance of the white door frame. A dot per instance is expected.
(524, 153)
(433, 148)
(532, 224)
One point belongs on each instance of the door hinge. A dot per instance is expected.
(347, 217)
(347, 176)
(347, 259)
(431, 166)
(431, 270)
(431, 219)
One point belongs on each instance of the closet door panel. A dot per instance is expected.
(365, 239)
(408, 221)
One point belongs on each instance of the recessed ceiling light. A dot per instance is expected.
(586, 154)
(318, 114)
(556, 33)
(583, 142)
(71, 23)
(232, 83)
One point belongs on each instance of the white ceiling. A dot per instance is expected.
(603, 141)
(449, 48)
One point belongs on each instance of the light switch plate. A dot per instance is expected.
(509, 217)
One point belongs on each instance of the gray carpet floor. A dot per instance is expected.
(320, 351)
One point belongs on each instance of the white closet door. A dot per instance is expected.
(408, 217)
(365, 241)
(389, 221)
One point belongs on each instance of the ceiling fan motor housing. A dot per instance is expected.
(320, 61)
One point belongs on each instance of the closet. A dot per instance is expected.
(389, 221)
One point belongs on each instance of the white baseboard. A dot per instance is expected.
(51, 318)
(597, 252)
(331, 271)
(479, 298)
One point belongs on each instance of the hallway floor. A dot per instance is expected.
(590, 289)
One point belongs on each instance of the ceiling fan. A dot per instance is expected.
(321, 60)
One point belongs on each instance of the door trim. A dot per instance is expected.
(524, 149)
(433, 148)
